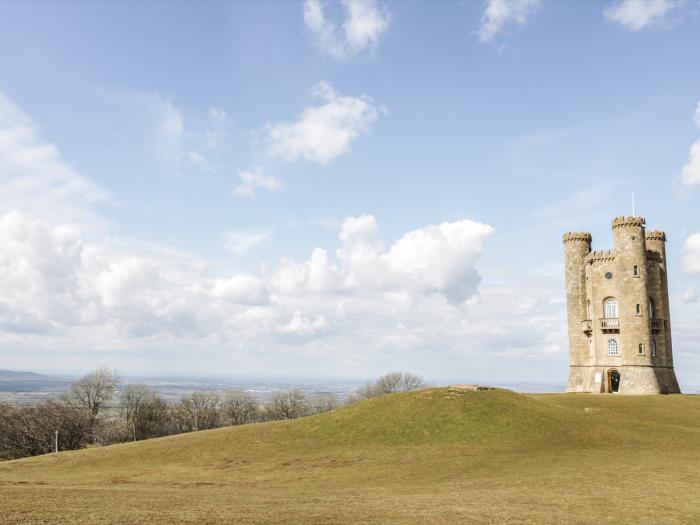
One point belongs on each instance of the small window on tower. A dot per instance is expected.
(641, 348)
(636, 271)
(653, 348)
(639, 309)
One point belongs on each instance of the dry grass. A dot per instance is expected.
(436, 456)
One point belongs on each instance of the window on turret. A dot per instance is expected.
(652, 308)
(636, 271)
(612, 347)
(653, 348)
(639, 309)
(610, 308)
(641, 348)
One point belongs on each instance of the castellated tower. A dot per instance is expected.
(618, 312)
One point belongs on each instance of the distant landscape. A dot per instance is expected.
(27, 388)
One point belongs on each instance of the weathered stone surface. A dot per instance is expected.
(634, 275)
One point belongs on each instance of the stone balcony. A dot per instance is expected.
(657, 324)
(587, 326)
(610, 324)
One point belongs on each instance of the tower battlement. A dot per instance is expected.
(656, 235)
(577, 237)
(618, 312)
(625, 222)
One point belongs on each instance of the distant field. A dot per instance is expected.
(435, 456)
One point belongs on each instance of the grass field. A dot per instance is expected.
(435, 456)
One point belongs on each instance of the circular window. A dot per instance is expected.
(608, 275)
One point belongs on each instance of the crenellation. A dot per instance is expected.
(618, 312)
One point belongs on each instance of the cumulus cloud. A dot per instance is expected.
(35, 178)
(363, 25)
(322, 133)
(499, 13)
(57, 281)
(251, 180)
(691, 171)
(690, 295)
(241, 242)
(691, 254)
(640, 14)
(690, 175)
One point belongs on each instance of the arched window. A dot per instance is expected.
(652, 309)
(588, 309)
(653, 348)
(641, 348)
(610, 307)
(612, 347)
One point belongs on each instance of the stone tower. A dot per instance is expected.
(618, 312)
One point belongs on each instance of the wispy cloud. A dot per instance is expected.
(251, 180)
(35, 178)
(636, 15)
(322, 133)
(241, 242)
(363, 25)
(499, 13)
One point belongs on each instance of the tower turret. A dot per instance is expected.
(577, 245)
(631, 284)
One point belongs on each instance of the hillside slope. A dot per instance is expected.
(426, 457)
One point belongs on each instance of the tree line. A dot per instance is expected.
(95, 411)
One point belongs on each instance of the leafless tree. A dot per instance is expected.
(197, 411)
(93, 392)
(146, 414)
(323, 402)
(239, 408)
(391, 383)
(31, 430)
(287, 405)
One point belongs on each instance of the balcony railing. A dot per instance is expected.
(587, 326)
(657, 324)
(610, 323)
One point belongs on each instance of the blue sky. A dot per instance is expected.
(326, 189)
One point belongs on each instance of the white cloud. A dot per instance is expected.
(241, 289)
(691, 254)
(34, 178)
(364, 24)
(169, 130)
(254, 179)
(322, 133)
(691, 171)
(690, 295)
(241, 242)
(186, 139)
(499, 13)
(639, 14)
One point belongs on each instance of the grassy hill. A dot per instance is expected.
(435, 456)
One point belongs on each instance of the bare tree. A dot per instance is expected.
(145, 413)
(287, 405)
(31, 430)
(239, 408)
(323, 402)
(197, 411)
(392, 383)
(93, 391)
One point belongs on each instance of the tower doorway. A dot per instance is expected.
(613, 381)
